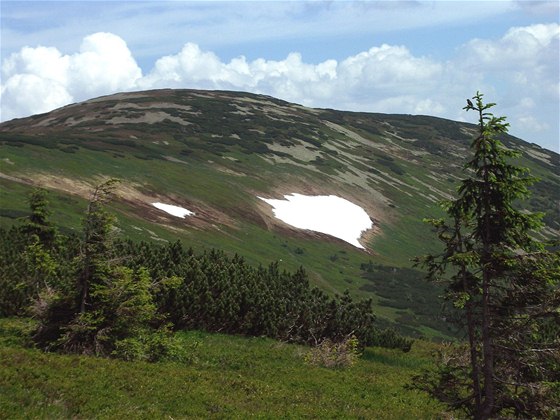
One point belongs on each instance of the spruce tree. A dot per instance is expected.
(505, 282)
(96, 243)
(38, 222)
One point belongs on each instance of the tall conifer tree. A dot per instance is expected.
(96, 245)
(494, 267)
(38, 222)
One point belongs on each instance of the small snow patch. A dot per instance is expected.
(332, 215)
(173, 210)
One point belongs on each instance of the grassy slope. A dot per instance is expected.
(231, 377)
(333, 266)
(411, 161)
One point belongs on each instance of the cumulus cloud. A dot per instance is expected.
(526, 56)
(42, 78)
(523, 69)
(103, 65)
(524, 45)
(389, 67)
(192, 67)
(378, 72)
(27, 94)
(519, 71)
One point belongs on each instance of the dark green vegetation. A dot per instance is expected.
(505, 284)
(406, 290)
(225, 376)
(93, 294)
(214, 152)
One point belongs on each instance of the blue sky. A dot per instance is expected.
(410, 57)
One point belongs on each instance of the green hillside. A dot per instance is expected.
(215, 152)
(226, 377)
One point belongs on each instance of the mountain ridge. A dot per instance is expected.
(216, 152)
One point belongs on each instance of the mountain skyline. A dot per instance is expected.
(392, 57)
(218, 154)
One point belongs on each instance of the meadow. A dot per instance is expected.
(224, 377)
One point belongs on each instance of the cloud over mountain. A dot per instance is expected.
(386, 78)
(42, 78)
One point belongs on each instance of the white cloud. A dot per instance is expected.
(235, 25)
(532, 124)
(410, 104)
(42, 78)
(103, 65)
(522, 67)
(380, 71)
(522, 47)
(290, 79)
(194, 67)
(27, 94)
(526, 57)
(388, 67)
(43, 62)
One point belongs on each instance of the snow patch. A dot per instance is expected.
(173, 210)
(330, 214)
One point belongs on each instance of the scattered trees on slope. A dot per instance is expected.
(29, 257)
(506, 283)
(99, 295)
(100, 307)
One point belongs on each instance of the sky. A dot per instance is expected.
(406, 57)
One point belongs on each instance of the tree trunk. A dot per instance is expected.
(471, 329)
(486, 260)
(475, 368)
(487, 350)
(84, 289)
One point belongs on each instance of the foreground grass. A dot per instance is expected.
(228, 377)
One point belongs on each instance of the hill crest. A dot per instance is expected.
(216, 152)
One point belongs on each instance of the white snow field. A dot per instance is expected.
(173, 210)
(330, 214)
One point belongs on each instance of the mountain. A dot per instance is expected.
(218, 154)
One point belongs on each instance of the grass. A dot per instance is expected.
(406, 172)
(228, 377)
(199, 181)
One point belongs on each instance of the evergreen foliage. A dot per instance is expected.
(38, 222)
(30, 257)
(219, 293)
(101, 308)
(97, 294)
(505, 283)
(96, 244)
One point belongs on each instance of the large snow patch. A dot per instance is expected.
(330, 214)
(173, 210)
